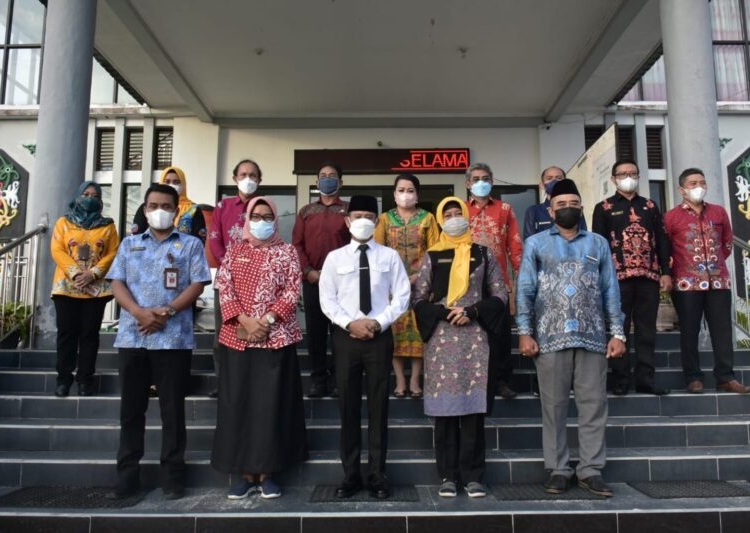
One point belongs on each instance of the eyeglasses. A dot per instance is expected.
(257, 218)
(623, 175)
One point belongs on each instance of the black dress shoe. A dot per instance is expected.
(333, 392)
(378, 488)
(61, 391)
(120, 492)
(556, 484)
(348, 489)
(213, 394)
(505, 392)
(620, 390)
(317, 390)
(85, 389)
(650, 389)
(595, 485)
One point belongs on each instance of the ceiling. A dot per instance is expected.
(360, 63)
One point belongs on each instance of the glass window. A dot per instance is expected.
(162, 148)
(28, 22)
(731, 77)
(102, 85)
(107, 200)
(22, 85)
(134, 149)
(3, 19)
(132, 200)
(124, 97)
(726, 20)
(105, 149)
(653, 83)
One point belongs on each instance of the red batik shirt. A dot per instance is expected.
(495, 226)
(701, 243)
(256, 281)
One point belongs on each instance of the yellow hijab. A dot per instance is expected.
(458, 282)
(185, 203)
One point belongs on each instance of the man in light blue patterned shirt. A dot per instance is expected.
(568, 297)
(156, 276)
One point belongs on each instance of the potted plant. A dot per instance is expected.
(15, 322)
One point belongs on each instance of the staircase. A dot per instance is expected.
(45, 440)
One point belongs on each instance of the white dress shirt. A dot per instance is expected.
(339, 285)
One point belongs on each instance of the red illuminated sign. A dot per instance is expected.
(431, 160)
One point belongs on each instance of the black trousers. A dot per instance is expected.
(716, 305)
(640, 304)
(460, 447)
(374, 357)
(318, 327)
(500, 350)
(78, 323)
(169, 370)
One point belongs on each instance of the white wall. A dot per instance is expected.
(13, 135)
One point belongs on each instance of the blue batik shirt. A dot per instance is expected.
(568, 295)
(140, 264)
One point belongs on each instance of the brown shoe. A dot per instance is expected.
(733, 386)
(695, 387)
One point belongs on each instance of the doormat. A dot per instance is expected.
(399, 493)
(689, 489)
(535, 491)
(66, 497)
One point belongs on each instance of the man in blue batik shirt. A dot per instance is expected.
(567, 296)
(156, 276)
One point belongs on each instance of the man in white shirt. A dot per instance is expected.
(364, 288)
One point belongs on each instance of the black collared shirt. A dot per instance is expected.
(636, 236)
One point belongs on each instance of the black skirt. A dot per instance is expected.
(260, 426)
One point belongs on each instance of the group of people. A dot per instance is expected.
(436, 289)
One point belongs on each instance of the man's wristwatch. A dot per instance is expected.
(622, 338)
(171, 311)
(270, 319)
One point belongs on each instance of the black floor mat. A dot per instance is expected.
(399, 493)
(688, 489)
(535, 491)
(65, 497)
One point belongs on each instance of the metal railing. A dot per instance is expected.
(19, 261)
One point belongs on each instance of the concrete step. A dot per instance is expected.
(728, 463)
(501, 434)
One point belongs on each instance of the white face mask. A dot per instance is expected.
(160, 219)
(247, 186)
(362, 228)
(176, 186)
(627, 185)
(697, 194)
(456, 226)
(406, 199)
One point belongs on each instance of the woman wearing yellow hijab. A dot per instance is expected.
(459, 296)
(190, 217)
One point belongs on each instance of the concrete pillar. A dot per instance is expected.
(691, 92)
(62, 133)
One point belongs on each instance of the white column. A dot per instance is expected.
(62, 132)
(691, 92)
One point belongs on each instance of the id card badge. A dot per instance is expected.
(171, 278)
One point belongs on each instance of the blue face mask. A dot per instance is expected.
(549, 186)
(481, 189)
(328, 186)
(262, 230)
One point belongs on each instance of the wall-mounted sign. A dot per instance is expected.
(738, 174)
(14, 184)
(386, 160)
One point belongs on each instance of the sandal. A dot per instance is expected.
(417, 395)
(399, 394)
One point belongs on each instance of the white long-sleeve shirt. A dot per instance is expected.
(339, 285)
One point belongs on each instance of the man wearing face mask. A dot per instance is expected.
(634, 229)
(537, 216)
(494, 225)
(364, 288)
(567, 292)
(319, 229)
(156, 276)
(701, 236)
(226, 228)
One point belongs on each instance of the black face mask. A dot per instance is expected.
(568, 217)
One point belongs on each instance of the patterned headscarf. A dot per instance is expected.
(80, 216)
